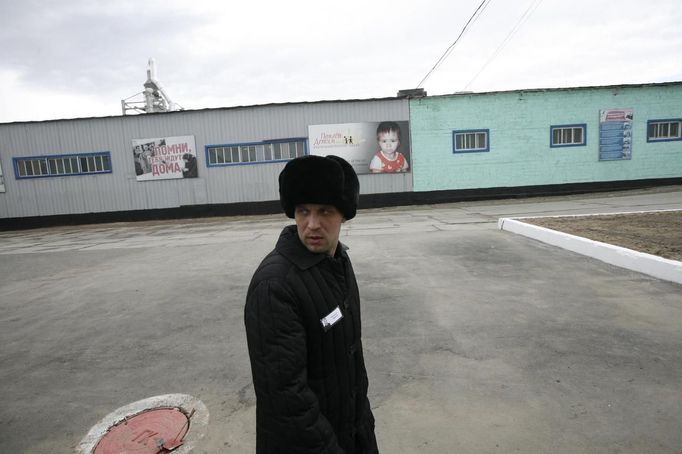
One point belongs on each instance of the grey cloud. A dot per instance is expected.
(77, 46)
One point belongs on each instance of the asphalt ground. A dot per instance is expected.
(476, 340)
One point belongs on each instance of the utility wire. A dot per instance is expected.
(484, 4)
(522, 20)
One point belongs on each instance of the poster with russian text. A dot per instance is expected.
(370, 147)
(165, 158)
(615, 134)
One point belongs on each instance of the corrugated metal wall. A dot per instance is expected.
(120, 190)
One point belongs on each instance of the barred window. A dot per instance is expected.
(62, 165)
(470, 141)
(664, 130)
(567, 135)
(252, 153)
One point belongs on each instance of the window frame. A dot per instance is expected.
(47, 163)
(669, 121)
(252, 150)
(553, 128)
(456, 132)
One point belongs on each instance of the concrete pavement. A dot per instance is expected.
(476, 340)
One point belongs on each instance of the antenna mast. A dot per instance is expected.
(155, 97)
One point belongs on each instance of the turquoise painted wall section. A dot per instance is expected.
(519, 124)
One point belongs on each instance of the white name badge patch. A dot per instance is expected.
(331, 319)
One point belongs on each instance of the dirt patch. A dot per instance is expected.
(657, 233)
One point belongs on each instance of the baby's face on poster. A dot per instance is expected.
(388, 141)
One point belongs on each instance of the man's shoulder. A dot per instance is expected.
(273, 275)
(274, 266)
(288, 260)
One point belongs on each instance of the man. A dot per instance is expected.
(302, 320)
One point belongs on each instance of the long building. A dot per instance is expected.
(455, 147)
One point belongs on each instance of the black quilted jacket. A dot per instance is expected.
(310, 380)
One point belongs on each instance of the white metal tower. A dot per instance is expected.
(154, 97)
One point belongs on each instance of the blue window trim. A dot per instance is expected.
(246, 144)
(469, 131)
(577, 125)
(664, 120)
(16, 160)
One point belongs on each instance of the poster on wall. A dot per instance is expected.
(370, 147)
(165, 158)
(615, 134)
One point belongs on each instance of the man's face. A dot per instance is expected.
(318, 227)
(388, 141)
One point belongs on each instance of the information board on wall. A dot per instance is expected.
(615, 134)
(165, 158)
(370, 147)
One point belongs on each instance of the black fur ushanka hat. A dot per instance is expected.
(316, 179)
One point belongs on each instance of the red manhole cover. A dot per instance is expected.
(152, 431)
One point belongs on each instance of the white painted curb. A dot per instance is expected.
(669, 270)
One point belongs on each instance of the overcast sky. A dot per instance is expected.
(79, 58)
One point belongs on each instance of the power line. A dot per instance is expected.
(522, 20)
(484, 4)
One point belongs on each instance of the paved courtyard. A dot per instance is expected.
(476, 340)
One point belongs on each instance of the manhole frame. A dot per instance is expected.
(198, 422)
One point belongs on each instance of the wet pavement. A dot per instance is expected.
(476, 340)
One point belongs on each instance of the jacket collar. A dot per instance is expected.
(290, 246)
